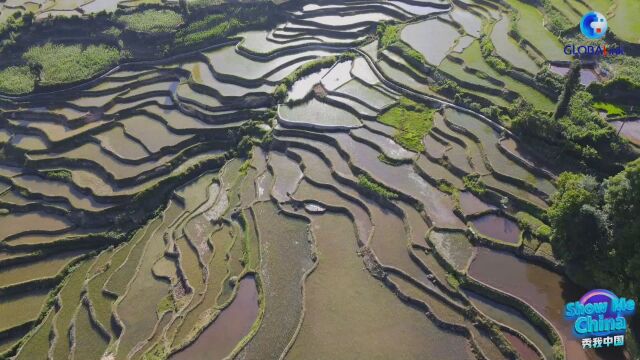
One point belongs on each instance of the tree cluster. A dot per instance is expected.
(596, 227)
(575, 130)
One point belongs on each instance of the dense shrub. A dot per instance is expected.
(570, 86)
(388, 35)
(17, 80)
(474, 184)
(60, 64)
(372, 185)
(152, 21)
(550, 80)
(581, 133)
(626, 67)
(60, 175)
(596, 226)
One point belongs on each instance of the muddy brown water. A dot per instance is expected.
(470, 204)
(512, 318)
(233, 323)
(497, 227)
(630, 130)
(525, 351)
(544, 290)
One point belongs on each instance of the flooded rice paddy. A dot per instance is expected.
(179, 210)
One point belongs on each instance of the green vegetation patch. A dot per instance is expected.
(62, 64)
(596, 228)
(17, 80)
(152, 21)
(368, 183)
(610, 109)
(388, 34)
(412, 121)
(625, 23)
(389, 38)
(535, 225)
(60, 175)
(165, 305)
(473, 183)
(580, 131)
(625, 67)
(473, 58)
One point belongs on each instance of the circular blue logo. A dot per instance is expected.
(593, 25)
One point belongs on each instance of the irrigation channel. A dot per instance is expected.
(299, 228)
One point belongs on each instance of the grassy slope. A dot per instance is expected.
(530, 26)
(16, 80)
(566, 10)
(625, 23)
(473, 58)
(412, 122)
(62, 64)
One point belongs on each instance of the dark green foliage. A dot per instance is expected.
(626, 67)
(570, 86)
(10, 29)
(579, 228)
(622, 90)
(551, 80)
(596, 227)
(582, 133)
(589, 135)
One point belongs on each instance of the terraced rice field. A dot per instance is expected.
(57, 8)
(178, 209)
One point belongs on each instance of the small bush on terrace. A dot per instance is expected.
(61, 64)
(412, 122)
(17, 80)
(473, 183)
(372, 185)
(60, 175)
(388, 34)
(152, 21)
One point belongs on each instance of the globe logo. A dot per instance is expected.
(593, 25)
